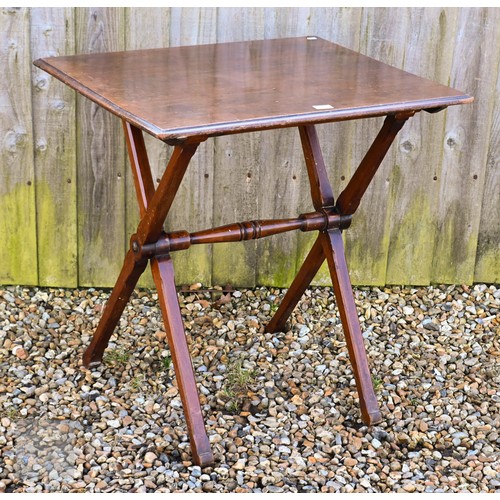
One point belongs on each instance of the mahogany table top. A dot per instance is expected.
(206, 90)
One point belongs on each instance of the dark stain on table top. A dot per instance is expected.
(206, 90)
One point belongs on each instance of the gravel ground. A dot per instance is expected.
(281, 410)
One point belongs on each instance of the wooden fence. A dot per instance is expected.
(67, 205)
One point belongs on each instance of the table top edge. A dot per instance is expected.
(254, 124)
(318, 117)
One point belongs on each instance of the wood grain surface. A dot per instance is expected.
(461, 188)
(18, 229)
(245, 86)
(54, 138)
(101, 160)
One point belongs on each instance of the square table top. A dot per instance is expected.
(208, 90)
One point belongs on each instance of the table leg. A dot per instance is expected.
(163, 274)
(154, 206)
(329, 245)
(309, 269)
(334, 250)
(321, 190)
(129, 275)
(350, 198)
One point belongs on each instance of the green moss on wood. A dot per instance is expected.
(455, 249)
(366, 256)
(411, 246)
(57, 241)
(234, 263)
(18, 251)
(193, 265)
(276, 267)
(488, 264)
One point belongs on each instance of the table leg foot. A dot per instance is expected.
(129, 275)
(204, 459)
(163, 274)
(309, 269)
(334, 251)
(372, 418)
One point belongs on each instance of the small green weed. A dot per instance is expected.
(11, 413)
(239, 378)
(238, 382)
(137, 382)
(378, 383)
(167, 362)
(274, 308)
(116, 357)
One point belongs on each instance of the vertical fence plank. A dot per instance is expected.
(466, 146)
(237, 168)
(282, 174)
(281, 169)
(192, 25)
(140, 25)
(418, 152)
(488, 246)
(18, 251)
(52, 34)
(192, 208)
(337, 140)
(101, 161)
(382, 36)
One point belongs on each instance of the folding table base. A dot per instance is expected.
(150, 243)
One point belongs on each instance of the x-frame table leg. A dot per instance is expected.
(334, 250)
(154, 206)
(125, 284)
(163, 274)
(307, 272)
(329, 245)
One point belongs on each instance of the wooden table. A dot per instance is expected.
(186, 95)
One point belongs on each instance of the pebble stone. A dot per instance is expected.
(281, 410)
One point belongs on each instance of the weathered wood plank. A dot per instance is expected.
(337, 140)
(101, 161)
(282, 170)
(414, 178)
(52, 34)
(237, 170)
(192, 208)
(382, 36)
(466, 146)
(192, 25)
(140, 25)
(488, 246)
(18, 252)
